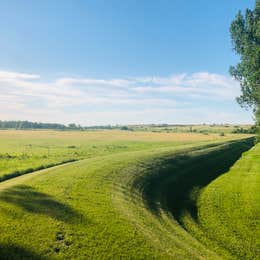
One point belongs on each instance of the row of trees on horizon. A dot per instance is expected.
(35, 125)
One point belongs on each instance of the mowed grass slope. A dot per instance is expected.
(117, 205)
(172, 189)
(229, 208)
(26, 151)
(70, 212)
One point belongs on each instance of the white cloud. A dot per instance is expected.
(203, 84)
(93, 82)
(121, 100)
(9, 75)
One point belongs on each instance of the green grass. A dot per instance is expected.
(26, 151)
(144, 202)
(180, 188)
(233, 201)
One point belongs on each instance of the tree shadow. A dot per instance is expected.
(37, 202)
(14, 252)
(174, 183)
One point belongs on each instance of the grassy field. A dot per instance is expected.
(26, 151)
(135, 195)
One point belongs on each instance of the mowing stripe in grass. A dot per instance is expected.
(18, 173)
(165, 188)
(100, 208)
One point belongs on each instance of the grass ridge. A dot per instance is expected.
(147, 192)
(106, 197)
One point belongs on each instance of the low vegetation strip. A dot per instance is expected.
(102, 207)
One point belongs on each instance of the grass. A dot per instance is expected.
(146, 201)
(174, 191)
(26, 151)
(234, 203)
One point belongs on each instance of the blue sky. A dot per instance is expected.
(119, 62)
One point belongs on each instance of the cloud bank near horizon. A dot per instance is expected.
(181, 98)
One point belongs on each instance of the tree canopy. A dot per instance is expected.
(245, 34)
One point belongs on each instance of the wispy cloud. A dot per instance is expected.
(203, 84)
(9, 75)
(118, 100)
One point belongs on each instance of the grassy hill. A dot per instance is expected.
(154, 199)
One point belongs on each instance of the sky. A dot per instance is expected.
(119, 62)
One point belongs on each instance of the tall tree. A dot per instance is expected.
(245, 34)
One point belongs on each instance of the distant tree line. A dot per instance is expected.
(94, 127)
(19, 125)
(54, 126)
(241, 130)
(35, 125)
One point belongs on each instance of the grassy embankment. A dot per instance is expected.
(222, 214)
(114, 206)
(26, 151)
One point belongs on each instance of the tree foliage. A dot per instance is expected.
(245, 34)
(35, 125)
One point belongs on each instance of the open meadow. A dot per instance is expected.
(130, 130)
(122, 194)
(25, 151)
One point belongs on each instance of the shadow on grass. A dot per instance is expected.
(174, 184)
(13, 252)
(37, 202)
(15, 174)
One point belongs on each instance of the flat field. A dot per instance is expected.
(22, 151)
(137, 195)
